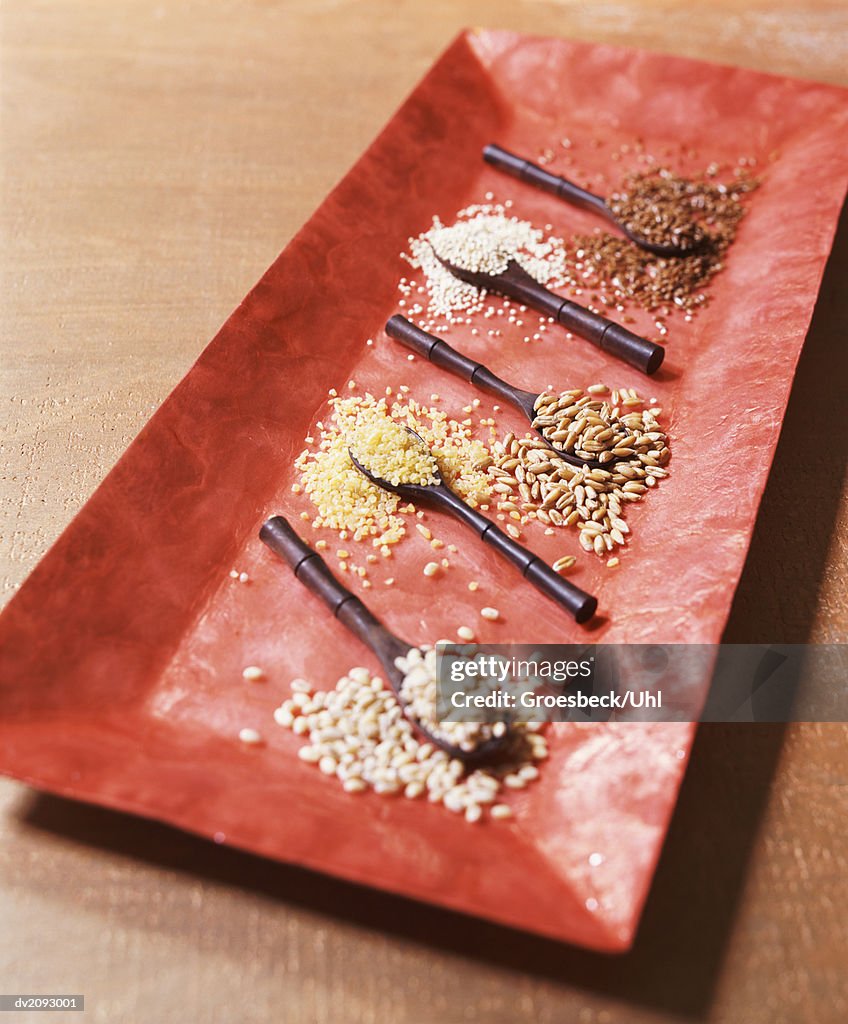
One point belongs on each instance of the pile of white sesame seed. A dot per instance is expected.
(483, 238)
(357, 733)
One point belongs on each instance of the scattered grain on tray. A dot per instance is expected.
(465, 633)
(564, 563)
(595, 429)
(492, 614)
(253, 673)
(250, 737)
(430, 569)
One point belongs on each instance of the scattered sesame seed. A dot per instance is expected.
(566, 562)
(430, 569)
(501, 811)
(253, 673)
(490, 613)
(251, 737)
(465, 633)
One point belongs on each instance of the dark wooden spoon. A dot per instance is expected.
(441, 354)
(536, 571)
(562, 188)
(516, 283)
(311, 569)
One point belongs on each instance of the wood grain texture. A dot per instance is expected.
(155, 158)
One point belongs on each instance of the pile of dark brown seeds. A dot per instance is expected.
(657, 208)
(662, 207)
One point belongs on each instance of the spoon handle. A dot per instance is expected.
(611, 337)
(311, 569)
(527, 171)
(576, 601)
(439, 353)
(607, 335)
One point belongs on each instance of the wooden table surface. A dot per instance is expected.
(156, 156)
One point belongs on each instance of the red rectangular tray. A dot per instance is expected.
(122, 654)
